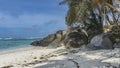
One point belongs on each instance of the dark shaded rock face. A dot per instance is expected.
(55, 38)
(45, 41)
(75, 40)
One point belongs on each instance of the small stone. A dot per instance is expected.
(35, 58)
(41, 57)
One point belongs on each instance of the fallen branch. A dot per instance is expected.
(76, 63)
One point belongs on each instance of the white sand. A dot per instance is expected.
(60, 58)
(22, 56)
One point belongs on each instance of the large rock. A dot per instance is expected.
(55, 39)
(75, 39)
(70, 38)
(45, 41)
(100, 41)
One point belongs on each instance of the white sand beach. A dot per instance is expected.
(38, 57)
(22, 56)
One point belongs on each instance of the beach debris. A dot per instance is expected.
(76, 63)
(9, 66)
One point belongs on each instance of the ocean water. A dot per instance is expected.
(10, 44)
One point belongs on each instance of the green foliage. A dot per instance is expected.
(115, 34)
(82, 10)
(92, 14)
(71, 16)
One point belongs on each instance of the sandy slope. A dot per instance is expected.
(60, 58)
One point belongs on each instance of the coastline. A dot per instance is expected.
(11, 50)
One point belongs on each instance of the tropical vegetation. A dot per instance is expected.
(93, 15)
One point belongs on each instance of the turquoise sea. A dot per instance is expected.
(10, 44)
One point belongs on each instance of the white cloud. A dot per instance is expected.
(28, 20)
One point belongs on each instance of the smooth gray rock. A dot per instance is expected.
(100, 41)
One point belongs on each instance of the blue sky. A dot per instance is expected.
(20, 17)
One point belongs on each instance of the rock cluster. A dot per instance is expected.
(76, 37)
(70, 38)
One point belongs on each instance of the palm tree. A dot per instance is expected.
(79, 10)
(71, 14)
(93, 14)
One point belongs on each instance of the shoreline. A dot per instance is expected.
(16, 49)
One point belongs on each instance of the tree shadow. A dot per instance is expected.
(77, 60)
